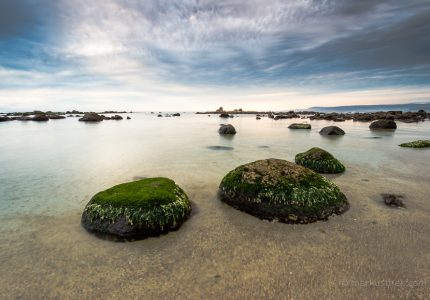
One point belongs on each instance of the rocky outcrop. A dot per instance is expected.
(40, 118)
(91, 117)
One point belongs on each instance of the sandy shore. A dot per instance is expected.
(370, 252)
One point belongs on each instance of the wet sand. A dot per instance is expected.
(370, 252)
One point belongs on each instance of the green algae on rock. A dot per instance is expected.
(275, 189)
(319, 160)
(147, 207)
(417, 144)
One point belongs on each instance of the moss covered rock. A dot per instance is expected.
(300, 126)
(417, 144)
(147, 207)
(276, 189)
(319, 160)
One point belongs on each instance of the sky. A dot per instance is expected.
(198, 55)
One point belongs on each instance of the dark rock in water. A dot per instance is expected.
(393, 200)
(332, 130)
(224, 115)
(300, 126)
(372, 137)
(24, 118)
(320, 161)
(91, 117)
(227, 129)
(220, 148)
(176, 115)
(276, 189)
(70, 116)
(160, 116)
(116, 117)
(56, 117)
(383, 124)
(147, 207)
(4, 119)
(263, 147)
(417, 144)
(128, 118)
(40, 118)
(258, 117)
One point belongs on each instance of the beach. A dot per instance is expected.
(51, 170)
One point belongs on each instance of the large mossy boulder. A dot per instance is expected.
(147, 207)
(226, 129)
(300, 126)
(332, 130)
(417, 144)
(320, 161)
(91, 117)
(383, 124)
(275, 189)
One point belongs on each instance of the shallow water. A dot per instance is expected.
(50, 170)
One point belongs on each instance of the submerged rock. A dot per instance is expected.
(128, 118)
(176, 115)
(417, 144)
(276, 189)
(383, 124)
(116, 117)
(300, 126)
(91, 117)
(220, 148)
(319, 160)
(224, 115)
(147, 207)
(393, 200)
(227, 129)
(332, 130)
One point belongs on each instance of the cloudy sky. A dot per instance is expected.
(198, 55)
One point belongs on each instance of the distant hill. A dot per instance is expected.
(372, 108)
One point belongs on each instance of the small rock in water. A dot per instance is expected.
(263, 147)
(393, 200)
(383, 124)
(227, 129)
(332, 130)
(300, 126)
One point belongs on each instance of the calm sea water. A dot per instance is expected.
(49, 171)
(58, 165)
